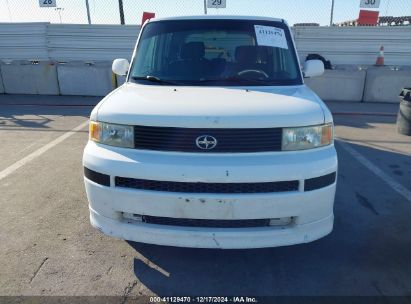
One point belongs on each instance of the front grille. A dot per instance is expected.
(167, 186)
(228, 140)
(169, 221)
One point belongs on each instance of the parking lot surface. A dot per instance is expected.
(47, 246)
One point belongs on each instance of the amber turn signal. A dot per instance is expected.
(94, 131)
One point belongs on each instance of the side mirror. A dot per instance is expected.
(120, 67)
(313, 68)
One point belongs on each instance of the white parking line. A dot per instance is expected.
(397, 187)
(9, 170)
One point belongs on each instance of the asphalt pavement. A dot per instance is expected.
(47, 246)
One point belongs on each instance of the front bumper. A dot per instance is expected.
(312, 211)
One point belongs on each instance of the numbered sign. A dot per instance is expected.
(370, 3)
(216, 3)
(47, 3)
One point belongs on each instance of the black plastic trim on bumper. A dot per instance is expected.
(202, 223)
(319, 182)
(190, 187)
(166, 186)
(98, 178)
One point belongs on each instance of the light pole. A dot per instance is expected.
(332, 13)
(88, 12)
(121, 9)
(205, 7)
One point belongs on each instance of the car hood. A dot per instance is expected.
(211, 107)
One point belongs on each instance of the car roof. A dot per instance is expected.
(218, 17)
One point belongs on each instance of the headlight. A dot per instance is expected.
(112, 134)
(307, 137)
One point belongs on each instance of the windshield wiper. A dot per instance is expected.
(154, 79)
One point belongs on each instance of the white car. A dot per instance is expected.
(214, 141)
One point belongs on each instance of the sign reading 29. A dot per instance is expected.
(216, 3)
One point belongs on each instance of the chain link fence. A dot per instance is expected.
(108, 11)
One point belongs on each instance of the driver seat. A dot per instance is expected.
(251, 57)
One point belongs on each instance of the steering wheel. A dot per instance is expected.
(260, 72)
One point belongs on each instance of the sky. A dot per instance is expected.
(107, 12)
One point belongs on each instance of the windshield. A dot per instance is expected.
(216, 52)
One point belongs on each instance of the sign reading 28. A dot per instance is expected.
(47, 3)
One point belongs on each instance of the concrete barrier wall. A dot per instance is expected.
(87, 79)
(337, 85)
(376, 84)
(24, 77)
(384, 84)
(96, 79)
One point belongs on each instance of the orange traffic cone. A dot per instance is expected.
(380, 58)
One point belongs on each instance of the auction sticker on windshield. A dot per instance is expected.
(270, 36)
